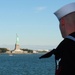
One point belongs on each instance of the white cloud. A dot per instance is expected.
(40, 8)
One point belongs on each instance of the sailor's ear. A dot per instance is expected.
(62, 21)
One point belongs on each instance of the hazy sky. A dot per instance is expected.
(33, 20)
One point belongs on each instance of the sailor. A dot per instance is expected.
(65, 51)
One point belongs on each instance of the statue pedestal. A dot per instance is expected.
(17, 49)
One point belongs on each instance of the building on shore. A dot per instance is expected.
(17, 49)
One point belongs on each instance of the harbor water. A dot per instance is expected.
(26, 64)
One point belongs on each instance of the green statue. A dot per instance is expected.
(17, 39)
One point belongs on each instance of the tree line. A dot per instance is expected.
(3, 50)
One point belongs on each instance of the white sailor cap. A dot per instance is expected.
(65, 10)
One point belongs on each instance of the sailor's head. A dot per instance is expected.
(66, 17)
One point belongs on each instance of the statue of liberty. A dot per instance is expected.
(17, 46)
(17, 40)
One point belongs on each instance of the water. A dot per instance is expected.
(26, 64)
